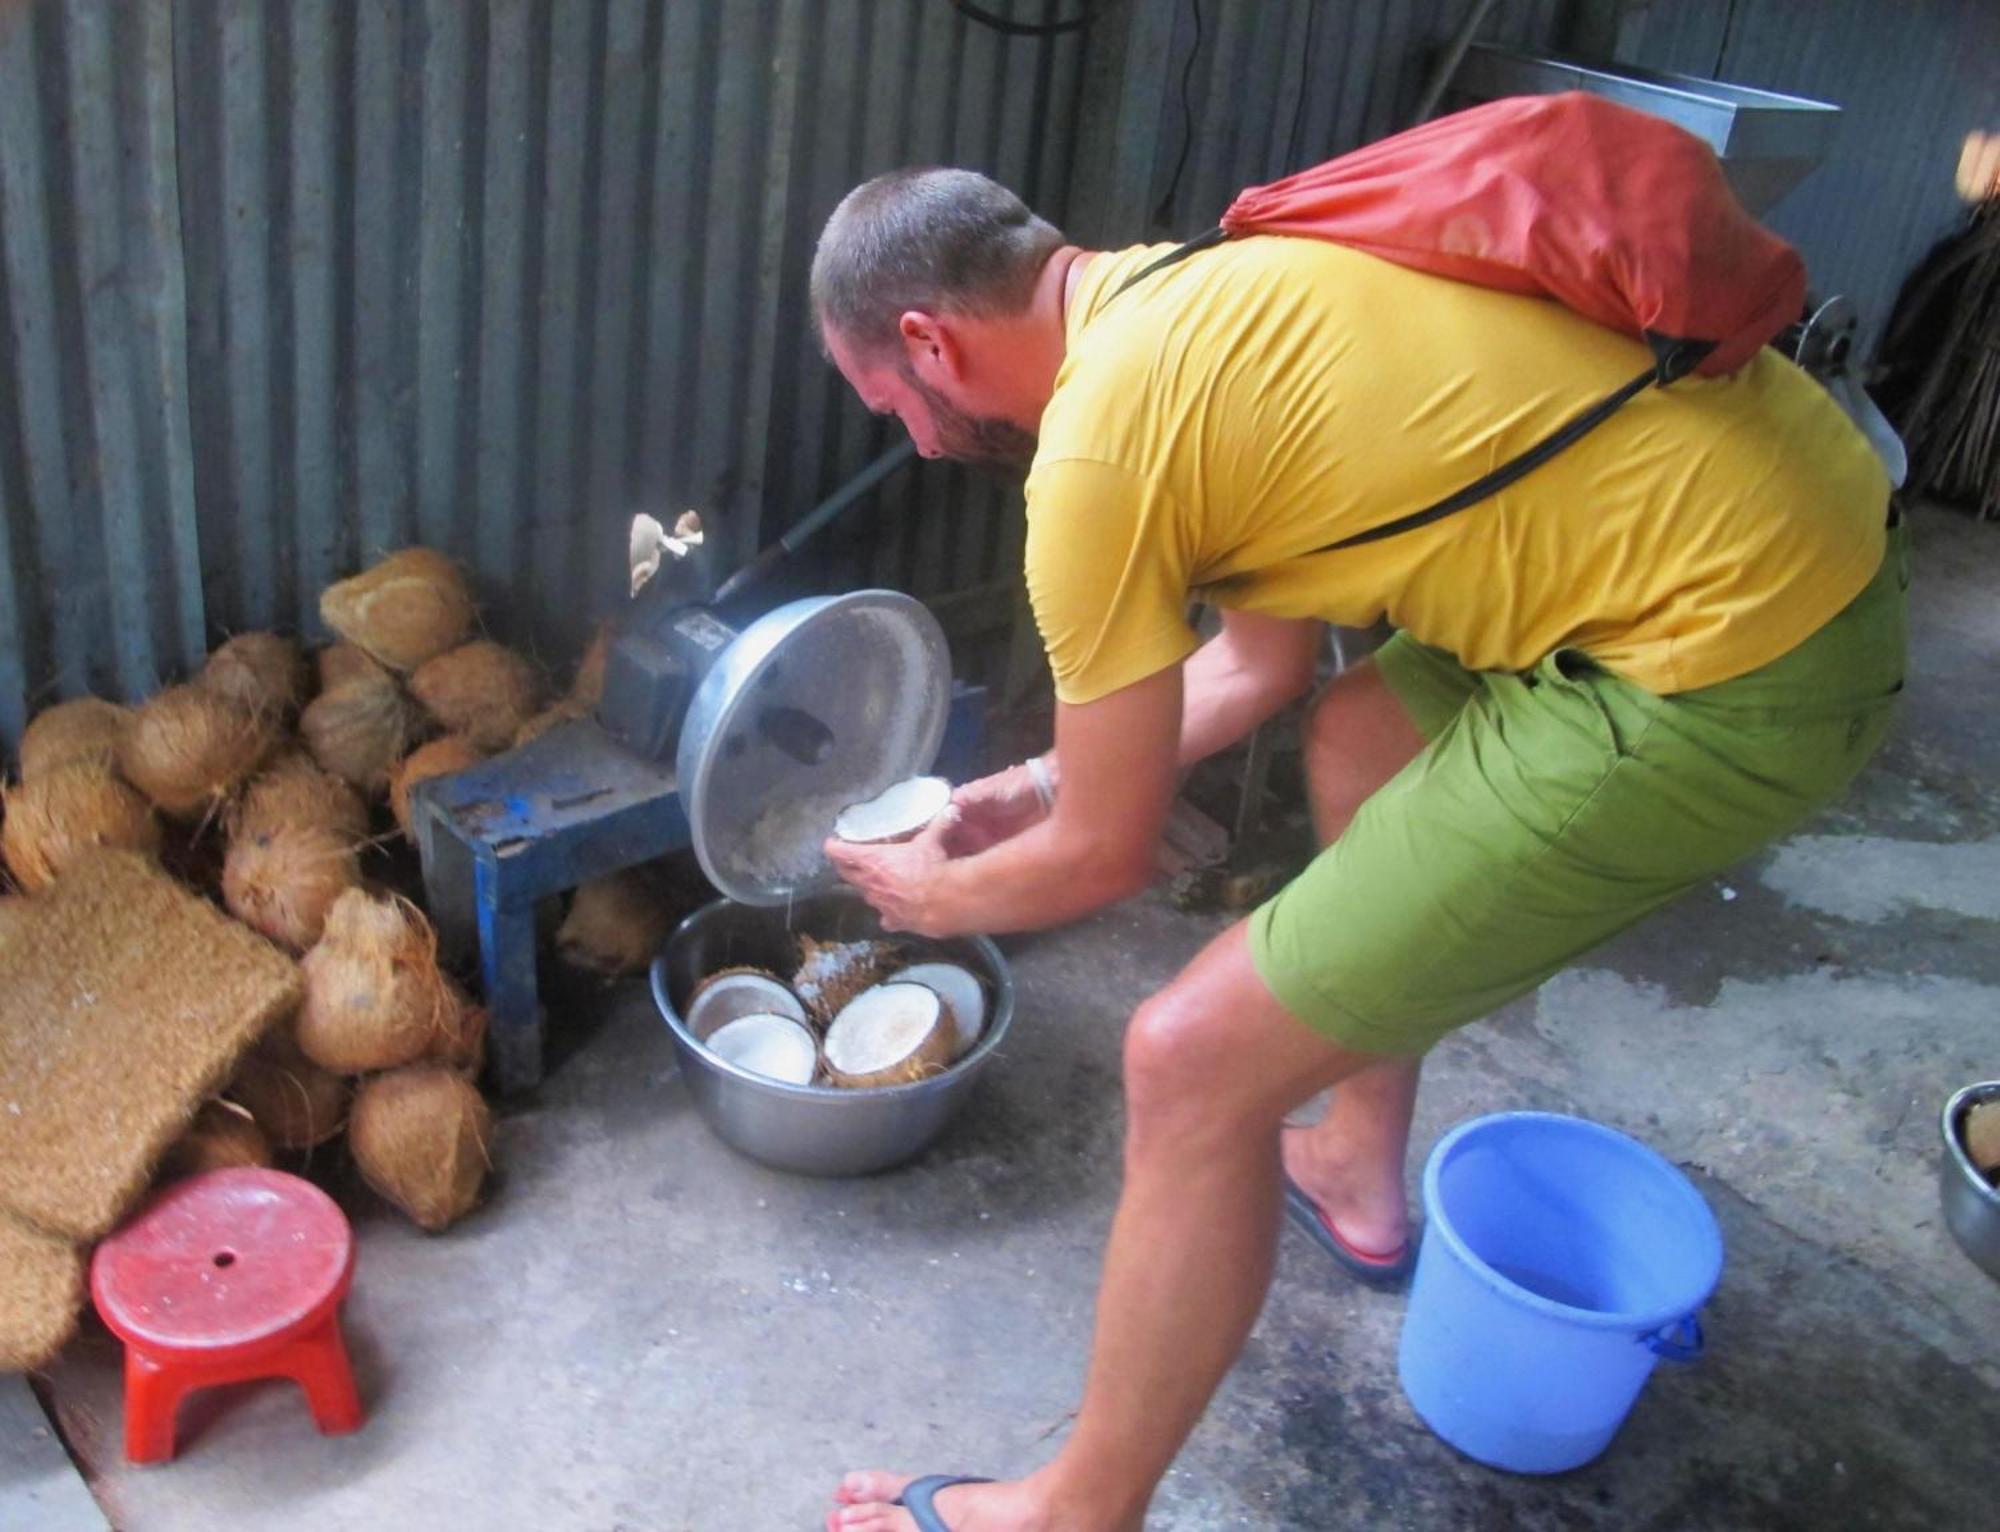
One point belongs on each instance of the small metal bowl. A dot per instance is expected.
(1971, 1203)
(816, 1131)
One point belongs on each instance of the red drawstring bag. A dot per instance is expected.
(1614, 213)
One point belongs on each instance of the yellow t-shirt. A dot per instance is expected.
(1232, 414)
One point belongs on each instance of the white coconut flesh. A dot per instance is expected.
(776, 1047)
(728, 996)
(889, 1035)
(963, 996)
(894, 814)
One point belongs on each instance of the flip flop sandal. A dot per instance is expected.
(1375, 1268)
(919, 1493)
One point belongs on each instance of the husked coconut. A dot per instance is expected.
(444, 756)
(423, 1138)
(897, 813)
(260, 672)
(360, 730)
(461, 1041)
(283, 882)
(375, 997)
(889, 1035)
(1982, 1135)
(411, 607)
(82, 729)
(482, 690)
(297, 1104)
(222, 1136)
(615, 925)
(293, 792)
(188, 749)
(963, 995)
(69, 810)
(342, 661)
(832, 973)
(734, 992)
(776, 1047)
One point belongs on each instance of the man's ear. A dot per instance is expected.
(931, 345)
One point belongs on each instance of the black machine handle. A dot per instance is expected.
(802, 531)
(1673, 358)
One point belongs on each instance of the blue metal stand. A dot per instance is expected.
(563, 809)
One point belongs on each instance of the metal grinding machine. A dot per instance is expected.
(737, 731)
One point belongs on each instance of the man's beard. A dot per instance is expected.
(983, 441)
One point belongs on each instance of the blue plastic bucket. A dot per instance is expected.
(1560, 1261)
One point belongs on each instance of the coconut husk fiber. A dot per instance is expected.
(423, 1138)
(554, 714)
(482, 690)
(83, 729)
(188, 749)
(128, 1001)
(221, 1137)
(586, 688)
(41, 1293)
(291, 792)
(70, 811)
(281, 883)
(359, 731)
(615, 925)
(294, 1103)
(461, 1042)
(411, 607)
(260, 672)
(375, 997)
(442, 757)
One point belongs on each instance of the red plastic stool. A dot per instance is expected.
(224, 1277)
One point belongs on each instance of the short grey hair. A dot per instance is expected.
(943, 241)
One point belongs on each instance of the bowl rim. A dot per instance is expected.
(997, 1024)
(1962, 1100)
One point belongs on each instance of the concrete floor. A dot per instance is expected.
(643, 1331)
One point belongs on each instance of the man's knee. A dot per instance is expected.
(1182, 1068)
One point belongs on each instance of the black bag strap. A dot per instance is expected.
(1673, 358)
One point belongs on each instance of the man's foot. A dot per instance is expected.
(1363, 1205)
(866, 1504)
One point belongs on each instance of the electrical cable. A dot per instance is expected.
(1164, 211)
(1012, 28)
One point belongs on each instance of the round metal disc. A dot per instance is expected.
(873, 669)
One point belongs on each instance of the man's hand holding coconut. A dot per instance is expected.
(1626, 672)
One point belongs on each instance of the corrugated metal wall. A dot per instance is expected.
(285, 284)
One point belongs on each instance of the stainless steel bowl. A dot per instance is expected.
(815, 1131)
(1971, 1204)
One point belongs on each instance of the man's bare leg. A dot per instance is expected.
(1212, 1064)
(1351, 1162)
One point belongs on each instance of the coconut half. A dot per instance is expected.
(832, 973)
(889, 1035)
(963, 996)
(896, 813)
(776, 1047)
(738, 992)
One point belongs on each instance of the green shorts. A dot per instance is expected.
(1552, 809)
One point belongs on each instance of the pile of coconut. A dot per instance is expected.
(849, 1016)
(267, 781)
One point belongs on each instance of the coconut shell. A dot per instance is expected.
(482, 690)
(296, 1103)
(555, 714)
(188, 749)
(442, 757)
(615, 925)
(341, 662)
(282, 883)
(65, 812)
(221, 1137)
(360, 730)
(293, 793)
(931, 1056)
(83, 729)
(375, 997)
(264, 673)
(830, 974)
(411, 607)
(423, 1138)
